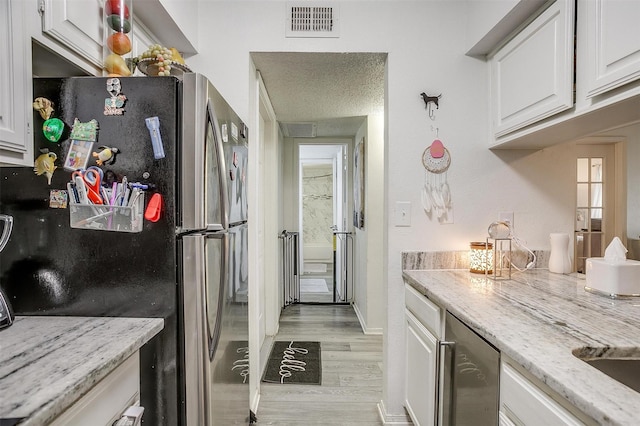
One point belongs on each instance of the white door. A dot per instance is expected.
(595, 202)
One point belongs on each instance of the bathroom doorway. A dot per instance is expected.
(323, 204)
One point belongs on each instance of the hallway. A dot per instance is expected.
(351, 372)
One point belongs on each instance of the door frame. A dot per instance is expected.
(618, 199)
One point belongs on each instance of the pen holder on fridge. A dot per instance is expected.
(108, 218)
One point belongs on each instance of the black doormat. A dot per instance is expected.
(294, 362)
(233, 364)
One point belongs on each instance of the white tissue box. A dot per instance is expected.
(613, 279)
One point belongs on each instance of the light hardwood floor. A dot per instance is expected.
(351, 372)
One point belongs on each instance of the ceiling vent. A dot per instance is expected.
(299, 130)
(312, 21)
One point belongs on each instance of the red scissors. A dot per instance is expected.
(92, 178)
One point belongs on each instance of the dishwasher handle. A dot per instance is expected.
(446, 398)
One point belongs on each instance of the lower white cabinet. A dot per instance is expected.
(421, 372)
(108, 399)
(424, 322)
(525, 403)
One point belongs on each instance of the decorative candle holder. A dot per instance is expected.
(501, 259)
(480, 257)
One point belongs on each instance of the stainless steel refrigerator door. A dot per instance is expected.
(214, 159)
(202, 178)
(193, 305)
(227, 366)
(470, 379)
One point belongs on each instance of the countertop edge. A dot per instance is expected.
(583, 400)
(145, 330)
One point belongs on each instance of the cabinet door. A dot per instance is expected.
(77, 25)
(524, 403)
(613, 44)
(532, 75)
(421, 376)
(16, 145)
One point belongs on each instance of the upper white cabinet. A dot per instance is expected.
(16, 147)
(613, 44)
(532, 74)
(77, 25)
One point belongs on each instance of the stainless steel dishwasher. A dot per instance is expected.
(470, 380)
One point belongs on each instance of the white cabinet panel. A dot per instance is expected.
(428, 313)
(532, 74)
(106, 402)
(613, 41)
(76, 24)
(421, 372)
(524, 403)
(16, 145)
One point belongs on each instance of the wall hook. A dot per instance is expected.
(428, 100)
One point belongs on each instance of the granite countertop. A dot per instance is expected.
(538, 318)
(47, 363)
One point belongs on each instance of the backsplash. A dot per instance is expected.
(420, 260)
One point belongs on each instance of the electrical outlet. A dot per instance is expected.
(506, 217)
(403, 213)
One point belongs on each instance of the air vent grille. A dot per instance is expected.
(299, 130)
(312, 21)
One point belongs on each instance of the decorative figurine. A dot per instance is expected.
(106, 155)
(44, 164)
(44, 106)
(52, 129)
(115, 104)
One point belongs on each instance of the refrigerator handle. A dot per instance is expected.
(446, 399)
(6, 232)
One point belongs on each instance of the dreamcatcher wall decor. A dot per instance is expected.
(436, 159)
(436, 194)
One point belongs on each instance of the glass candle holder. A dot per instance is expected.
(117, 35)
(480, 257)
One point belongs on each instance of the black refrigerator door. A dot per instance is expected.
(49, 268)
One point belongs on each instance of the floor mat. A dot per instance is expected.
(294, 362)
(313, 285)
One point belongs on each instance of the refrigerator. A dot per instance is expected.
(178, 251)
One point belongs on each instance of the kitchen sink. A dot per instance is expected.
(623, 368)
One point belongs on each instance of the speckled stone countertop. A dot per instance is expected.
(538, 318)
(47, 363)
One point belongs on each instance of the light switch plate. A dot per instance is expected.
(403, 213)
(506, 217)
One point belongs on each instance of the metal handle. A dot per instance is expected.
(442, 401)
(6, 232)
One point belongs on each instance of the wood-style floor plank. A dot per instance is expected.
(351, 372)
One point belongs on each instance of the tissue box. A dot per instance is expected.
(614, 279)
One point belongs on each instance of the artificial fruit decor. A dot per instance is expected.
(117, 38)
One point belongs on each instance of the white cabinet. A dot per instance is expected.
(108, 399)
(16, 147)
(75, 24)
(423, 321)
(525, 403)
(613, 44)
(531, 76)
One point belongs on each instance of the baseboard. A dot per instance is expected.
(363, 324)
(392, 419)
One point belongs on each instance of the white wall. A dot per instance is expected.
(425, 41)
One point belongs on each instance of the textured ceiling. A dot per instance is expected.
(334, 90)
